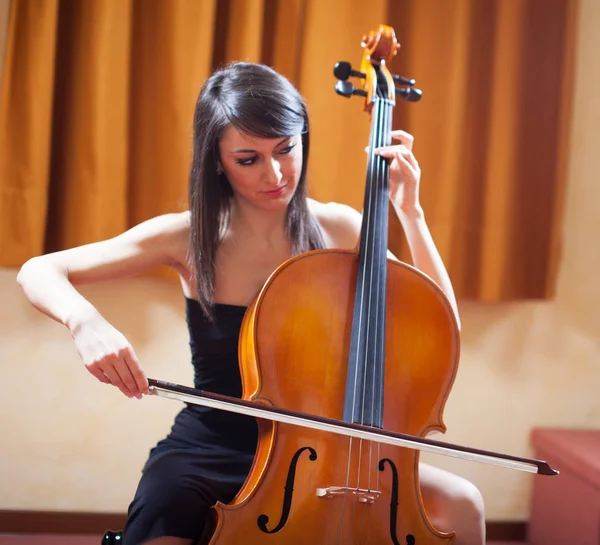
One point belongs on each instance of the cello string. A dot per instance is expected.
(372, 337)
(368, 264)
(383, 258)
(368, 259)
(345, 501)
(375, 289)
(360, 303)
(385, 165)
(374, 260)
(366, 233)
(379, 261)
(376, 338)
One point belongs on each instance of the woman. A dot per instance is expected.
(249, 212)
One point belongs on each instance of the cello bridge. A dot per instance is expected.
(362, 494)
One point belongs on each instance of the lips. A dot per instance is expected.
(276, 192)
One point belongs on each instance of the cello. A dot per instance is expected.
(345, 356)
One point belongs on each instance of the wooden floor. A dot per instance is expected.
(55, 539)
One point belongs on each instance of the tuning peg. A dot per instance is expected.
(343, 70)
(404, 81)
(409, 94)
(346, 89)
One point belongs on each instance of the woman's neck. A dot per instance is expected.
(250, 223)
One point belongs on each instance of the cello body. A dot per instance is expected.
(313, 487)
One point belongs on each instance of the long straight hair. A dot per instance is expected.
(260, 102)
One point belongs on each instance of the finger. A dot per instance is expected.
(393, 152)
(410, 157)
(141, 380)
(122, 368)
(394, 148)
(406, 138)
(114, 377)
(97, 372)
(405, 164)
(137, 372)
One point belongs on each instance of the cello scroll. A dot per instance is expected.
(379, 48)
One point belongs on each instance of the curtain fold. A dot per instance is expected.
(97, 101)
(26, 102)
(89, 161)
(171, 57)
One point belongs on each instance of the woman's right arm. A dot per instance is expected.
(49, 284)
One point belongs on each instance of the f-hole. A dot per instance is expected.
(410, 539)
(263, 520)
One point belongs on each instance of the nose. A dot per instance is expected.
(273, 172)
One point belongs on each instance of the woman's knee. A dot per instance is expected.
(468, 501)
(453, 504)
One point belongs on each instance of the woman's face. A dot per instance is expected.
(263, 172)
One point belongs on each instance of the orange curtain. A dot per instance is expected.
(491, 134)
(98, 95)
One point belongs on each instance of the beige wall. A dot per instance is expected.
(69, 443)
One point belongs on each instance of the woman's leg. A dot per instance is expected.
(453, 504)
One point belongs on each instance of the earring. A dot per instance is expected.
(219, 170)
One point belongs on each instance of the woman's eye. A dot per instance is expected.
(246, 162)
(287, 149)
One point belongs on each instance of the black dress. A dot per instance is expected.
(208, 453)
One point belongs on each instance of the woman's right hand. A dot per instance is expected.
(108, 356)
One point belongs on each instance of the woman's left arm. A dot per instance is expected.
(405, 176)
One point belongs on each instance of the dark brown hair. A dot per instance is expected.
(258, 101)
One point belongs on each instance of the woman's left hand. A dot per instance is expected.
(405, 173)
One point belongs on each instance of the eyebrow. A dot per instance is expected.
(285, 139)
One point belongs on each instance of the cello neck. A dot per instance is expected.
(365, 377)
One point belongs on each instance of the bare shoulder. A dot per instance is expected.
(171, 229)
(340, 223)
(166, 235)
